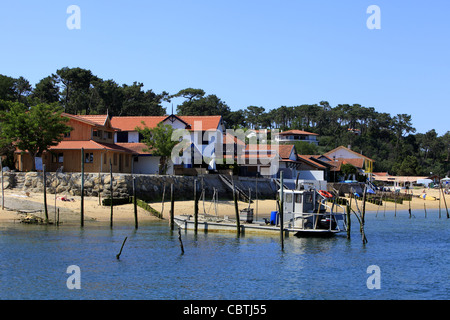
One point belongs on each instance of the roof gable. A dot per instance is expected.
(130, 123)
(329, 153)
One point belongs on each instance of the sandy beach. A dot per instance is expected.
(70, 210)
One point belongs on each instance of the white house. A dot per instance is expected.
(202, 132)
(297, 135)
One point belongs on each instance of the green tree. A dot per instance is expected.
(35, 129)
(7, 91)
(159, 142)
(137, 102)
(47, 90)
(409, 166)
(75, 85)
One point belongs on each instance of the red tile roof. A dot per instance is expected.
(289, 132)
(135, 147)
(88, 145)
(284, 150)
(97, 119)
(130, 123)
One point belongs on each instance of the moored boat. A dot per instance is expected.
(305, 212)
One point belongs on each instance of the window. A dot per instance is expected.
(88, 157)
(67, 135)
(122, 136)
(127, 160)
(57, 158)
(95, 133)
(288, 197)
(115, 159)
(298, 198)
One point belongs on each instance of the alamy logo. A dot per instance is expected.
(374, 21)
(215, 147)
(374, 280)
(74, 280)
(74, 20)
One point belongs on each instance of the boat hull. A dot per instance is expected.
(252, 228)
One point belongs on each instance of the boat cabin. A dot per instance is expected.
(299, 201)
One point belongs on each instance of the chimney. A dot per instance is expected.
(349, 146)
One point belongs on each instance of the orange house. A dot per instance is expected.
(92, 133)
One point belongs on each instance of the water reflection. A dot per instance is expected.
(34, 260)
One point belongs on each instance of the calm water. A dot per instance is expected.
(412, 254)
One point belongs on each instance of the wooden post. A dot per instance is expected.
(282, 211)
(195, 207)
(181, 242)
(236, 211)
(445, 202)
(57, 220)
(349, 222)
(45, 193)
(123, 243)
(395, 203)
(256, 198)
(425, 209)
(82, 188)
(111, 192)
(363, 216)
(409, 209)
(172, 205)
(440, 188)
(135, 203)
(3, 190)
(161, 216)
(99, 188)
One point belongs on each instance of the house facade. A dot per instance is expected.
(270, 160)
(93, 134)
(203, 133)
(342, 155)
(297, 135)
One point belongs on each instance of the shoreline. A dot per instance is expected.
(93, 212)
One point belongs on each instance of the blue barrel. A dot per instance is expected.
(274, 217)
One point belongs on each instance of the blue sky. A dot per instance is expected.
(263, 53)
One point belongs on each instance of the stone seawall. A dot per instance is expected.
(147, 186)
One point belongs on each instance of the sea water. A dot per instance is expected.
(411, 256)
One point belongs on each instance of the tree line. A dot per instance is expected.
(390, 140)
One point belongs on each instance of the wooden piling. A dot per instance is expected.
(123, 243)
(425, 209)
(445, 203)
(3, 189)
(440, 188)
(161, 214)
(349, 222)
(256, 198)
(282, 211)
(82, 189)
(135, 204)
(395, 203)
(363, 215)
(172, 206)
(111, 193)
(57, 220)
(45, 193)
(236, 211)
(195, 207)
(181, 241)
(409, 208)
